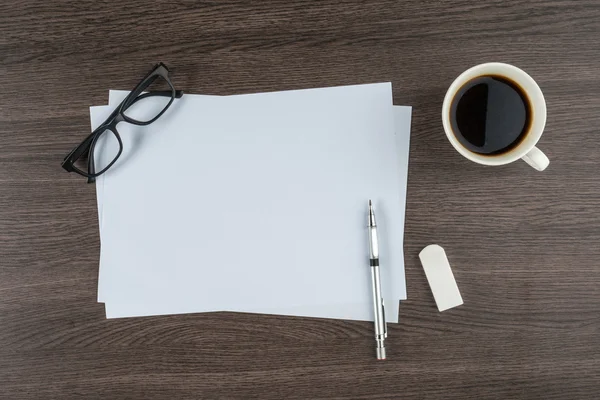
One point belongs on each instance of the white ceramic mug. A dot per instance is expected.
(526, 149)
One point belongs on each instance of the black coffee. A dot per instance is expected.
(490, 115)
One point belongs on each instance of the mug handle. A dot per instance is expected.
(536, 159)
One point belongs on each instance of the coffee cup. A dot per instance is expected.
(494, 114)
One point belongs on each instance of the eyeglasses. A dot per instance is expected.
(138, 108)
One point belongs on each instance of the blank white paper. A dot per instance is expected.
(338, 311)
(235, 303)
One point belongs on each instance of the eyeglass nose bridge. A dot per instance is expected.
(118, 118)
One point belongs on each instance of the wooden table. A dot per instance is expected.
(524, 245)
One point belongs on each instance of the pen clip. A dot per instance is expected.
(384, 322)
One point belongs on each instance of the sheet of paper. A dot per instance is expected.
(251, 308)
(402, 118)
(341, 311)
(406, 146)
(338, 311)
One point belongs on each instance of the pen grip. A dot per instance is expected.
(378, 307)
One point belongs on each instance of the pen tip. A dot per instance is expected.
(370, 204)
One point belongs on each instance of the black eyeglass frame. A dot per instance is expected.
(118, 115)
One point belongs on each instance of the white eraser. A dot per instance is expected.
(440, 277)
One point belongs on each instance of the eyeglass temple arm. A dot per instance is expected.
(78, 151)
(147, 82)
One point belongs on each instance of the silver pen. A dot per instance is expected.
(378, 306)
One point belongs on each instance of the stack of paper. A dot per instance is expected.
(254, 203)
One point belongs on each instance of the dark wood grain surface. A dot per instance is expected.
(524, 245)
